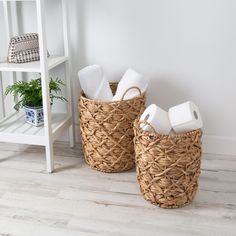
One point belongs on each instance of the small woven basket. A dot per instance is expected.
(107, 131)
(168, 166)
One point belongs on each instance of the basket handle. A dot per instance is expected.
(127, 90)
(147, 123)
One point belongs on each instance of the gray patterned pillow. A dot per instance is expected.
(24, 48)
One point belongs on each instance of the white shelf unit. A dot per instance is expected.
(13, 128)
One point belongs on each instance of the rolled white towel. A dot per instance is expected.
(90, 79)
(104, 92)
(131, 78)
(157, 118)
(185, 117)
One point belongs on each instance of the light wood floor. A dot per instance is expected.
(79, 201)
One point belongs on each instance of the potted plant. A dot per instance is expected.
(31, 100)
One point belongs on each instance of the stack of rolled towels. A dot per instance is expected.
(179, 119)
(96, 86)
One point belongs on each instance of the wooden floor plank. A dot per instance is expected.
(77, 200)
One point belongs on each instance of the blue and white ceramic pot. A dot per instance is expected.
(34, 115)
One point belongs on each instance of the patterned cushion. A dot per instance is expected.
(24, 48)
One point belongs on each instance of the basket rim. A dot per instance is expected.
(82, 95)
(168, 136)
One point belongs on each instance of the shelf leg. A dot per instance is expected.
(68, 72)
(11, 26)
(45, 85)
(49, 157)
(71, 136)
(2, 103)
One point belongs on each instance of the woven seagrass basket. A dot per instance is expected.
(107, 131)
(167, 166)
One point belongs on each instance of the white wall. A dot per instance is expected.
(186, 48)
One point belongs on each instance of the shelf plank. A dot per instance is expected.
(14, 129)
(53, 61)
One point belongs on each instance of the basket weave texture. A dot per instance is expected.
(167, 167)
(107, 131)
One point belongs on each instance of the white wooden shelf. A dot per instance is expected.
(53, 61)
(14, 129)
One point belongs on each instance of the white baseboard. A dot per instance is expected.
(219, 145)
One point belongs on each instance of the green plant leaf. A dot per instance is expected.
(30, 93)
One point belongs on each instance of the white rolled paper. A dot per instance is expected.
(131, 78)
(185, 117)
(90, 79)
(104, 92)
(158, 118)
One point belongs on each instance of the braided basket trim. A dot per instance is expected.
(168, 166)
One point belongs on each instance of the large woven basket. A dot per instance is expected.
(168, 166)
(107, 131)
